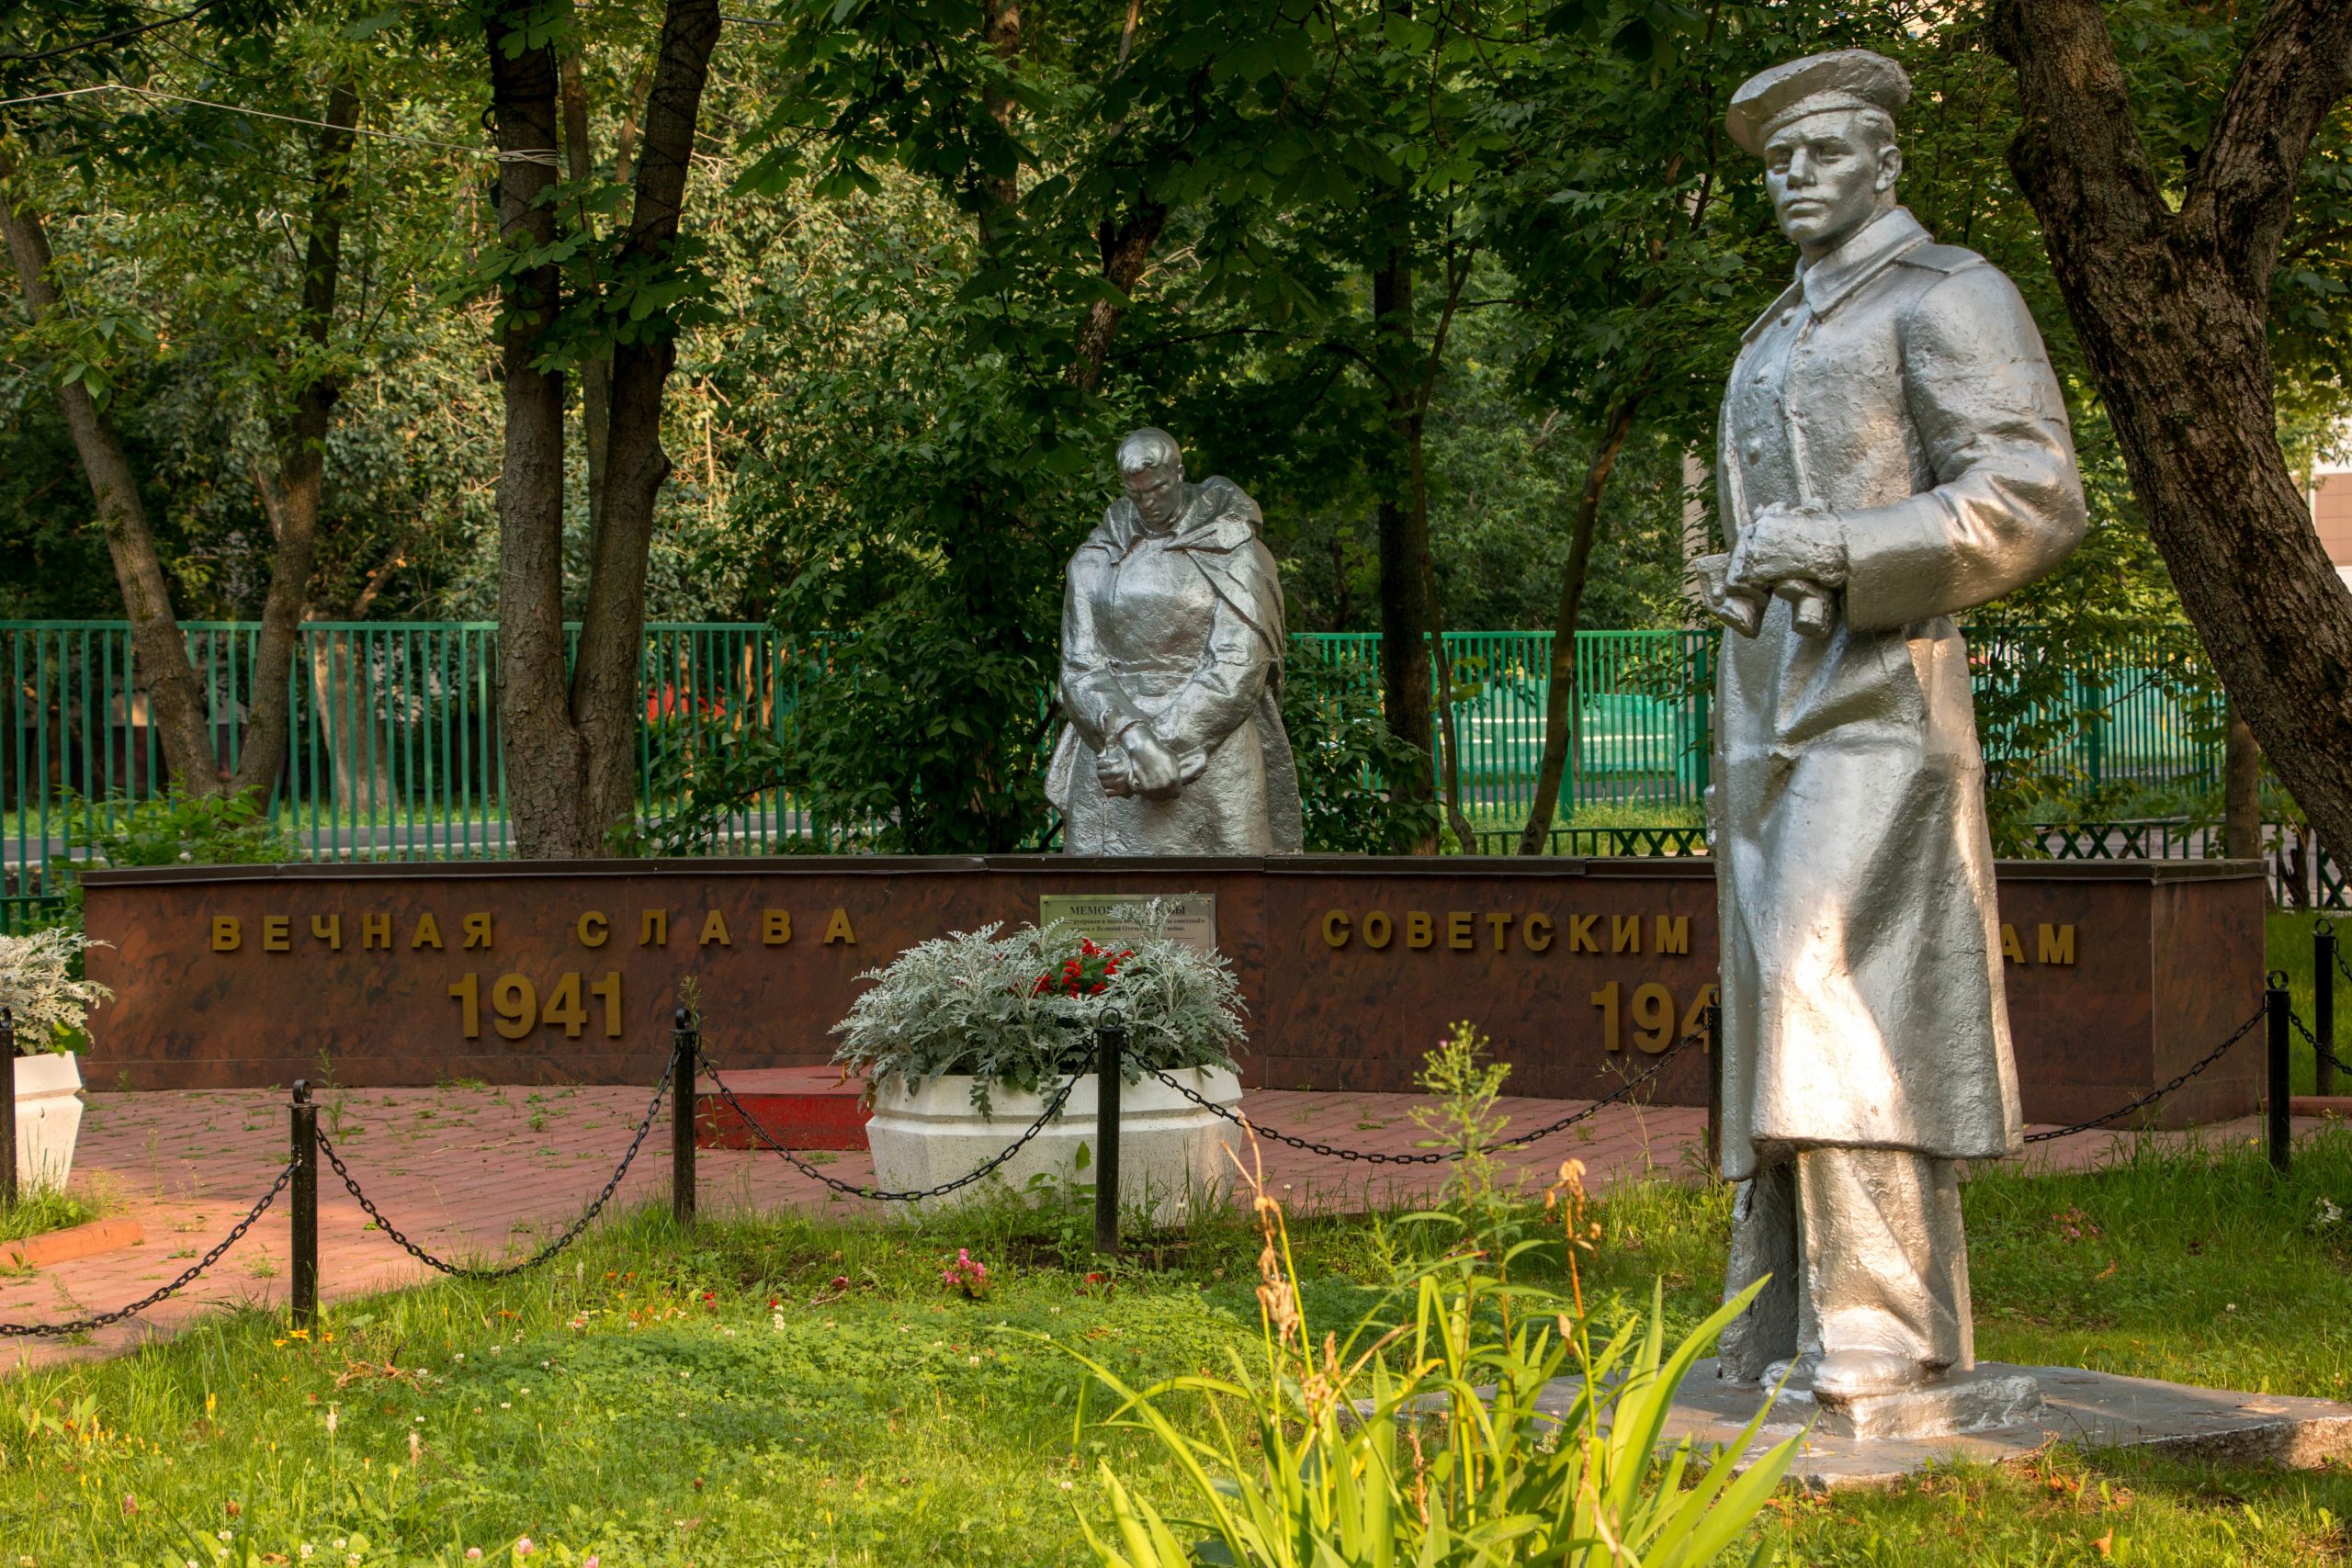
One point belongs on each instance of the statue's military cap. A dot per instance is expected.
(1844, 79)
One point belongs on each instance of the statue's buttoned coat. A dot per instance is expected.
(1900, 386)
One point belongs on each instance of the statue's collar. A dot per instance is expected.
(1866, 252)
(1207, 523)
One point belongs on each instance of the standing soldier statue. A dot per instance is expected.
(1893, 452)
(1173, 674)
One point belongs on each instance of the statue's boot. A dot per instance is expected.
(1853, 1374)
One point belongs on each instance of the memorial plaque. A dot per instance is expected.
(2119, 974)
(1109, 918)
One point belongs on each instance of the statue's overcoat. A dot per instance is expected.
(1180, 632)
(1899, 385)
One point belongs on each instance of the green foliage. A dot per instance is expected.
(1345, 752)
(46, 1209)
(178, 828)
(994, 1008)
(1430, 1443)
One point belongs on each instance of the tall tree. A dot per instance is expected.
(570, 724)
(2168, 275)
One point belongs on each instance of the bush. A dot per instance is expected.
(1430, 1441)
(1346, 756)
(41, 984)
(1009, 1011)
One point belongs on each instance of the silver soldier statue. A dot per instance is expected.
(1893, 452)
(1173, 674)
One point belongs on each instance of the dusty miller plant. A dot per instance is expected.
(969, 1004)
(37, 983)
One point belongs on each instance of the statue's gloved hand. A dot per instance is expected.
(1111, 767)
(1797, 554)
(1158, 775)
(1737, 608)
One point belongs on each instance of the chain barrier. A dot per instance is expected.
(2154, 1095)
(2321, 1052)
(1436, 1156)
(351, 1184)
(1053, 1108)
(187, 1278)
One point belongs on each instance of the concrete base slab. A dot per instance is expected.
(2096, 1410)
(1974, 1401)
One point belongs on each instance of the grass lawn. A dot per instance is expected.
(791, 1391)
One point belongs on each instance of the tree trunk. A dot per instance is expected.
(2171, 304)
(1404, 533)
(291, 498)
(1442, 657)
(604, 695)
(596, 370)
(1561, 709)
(1127, 251)
(1001, 30)
(544, 758)
(2241, 791)
(175, 698)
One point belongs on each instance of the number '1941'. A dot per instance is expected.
(514, 1001)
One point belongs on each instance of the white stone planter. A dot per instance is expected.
(48, 1118)
(1171, 1153)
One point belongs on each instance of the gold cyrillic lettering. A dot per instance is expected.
(776, 927)
(1624, 934)
(1500, 926)
(1673, 933)
(592, 929)
(2056, 945)
(714, 928)
(837, 930)
(654, 930)
(2011, 948)
(1419, 930)
(328, 928)
(1583, 934)
(375, 931)
(1377, 928)
(1457, 930)
(274, 937)
(1335, 928)
(477, 928)
(1536, 933)
(428, 932)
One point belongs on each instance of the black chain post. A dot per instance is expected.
(2324, 1005)
(303, 1116)
(683, 1071)
(1713, 1044)
(7, 1108)
(2278, 1009)
(1110, 1045)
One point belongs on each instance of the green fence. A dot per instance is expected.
(395, 750)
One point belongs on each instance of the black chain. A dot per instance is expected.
(1052, 1110)
(2322, 1052)
(2154, 1095)
(80, 1325)
(352, 1185)
(1437, 1156)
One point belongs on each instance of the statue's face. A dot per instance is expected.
(1159, 494)
(1828, 179)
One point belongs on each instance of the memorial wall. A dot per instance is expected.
(1580, 970)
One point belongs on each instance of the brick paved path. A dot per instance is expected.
(473, 1174)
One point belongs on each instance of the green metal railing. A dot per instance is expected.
(395, 750)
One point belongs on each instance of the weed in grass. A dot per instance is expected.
(46, 1209)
